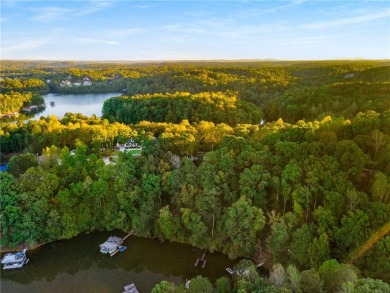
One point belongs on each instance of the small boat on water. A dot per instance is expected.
(239, 272)
(130, 289)
(14, 260)
(52, 103)
(122, 248)
(111, 245)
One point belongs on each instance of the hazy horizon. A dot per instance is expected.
(163, 31)
(190, 60)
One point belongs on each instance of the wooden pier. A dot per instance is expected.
(131, 233)
(115, 252)
(202, 259)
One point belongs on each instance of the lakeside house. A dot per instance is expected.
(9, 114)
(128, 145)
(84, 82)
(132, 144)
(32, 108)
(65, 83)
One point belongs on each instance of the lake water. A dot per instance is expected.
(76, 265)
(86, 104)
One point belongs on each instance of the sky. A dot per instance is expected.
(194, 30)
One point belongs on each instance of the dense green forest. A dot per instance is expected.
(306, 191)
(215, 107)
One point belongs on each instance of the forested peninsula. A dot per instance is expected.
(280, 164)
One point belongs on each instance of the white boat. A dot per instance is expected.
(14, 260)
(111, 245)
(230, 271)
(130, 289)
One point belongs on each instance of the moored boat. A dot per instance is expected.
(111, 244)
(122, 248)
(14, 260)
(130, 288)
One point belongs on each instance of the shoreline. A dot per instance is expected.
(21, 247)
(35, 246)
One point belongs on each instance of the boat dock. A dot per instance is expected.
(123, 239)
(130, 289)
(14, 260)
(131, 233)
(202, 259)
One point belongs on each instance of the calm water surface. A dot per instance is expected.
(86, 104)
(76, 265)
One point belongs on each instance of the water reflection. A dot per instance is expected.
(78, 262)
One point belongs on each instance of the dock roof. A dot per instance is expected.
(130, 289)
